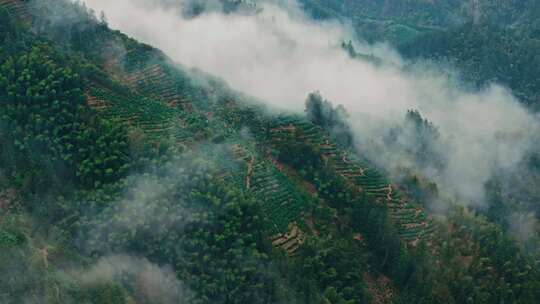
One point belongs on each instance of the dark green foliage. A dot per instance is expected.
(348, 46)
(50, 127)
(102, 292)
(211, 233)
(321, 112)
(280, 201)
(486, 54)
(115, 180)
(10, 234)
(77, 29)
(488, 41)
(418, 139)
(394, 20)
(402, 21)
(7, 26)
(337, 269)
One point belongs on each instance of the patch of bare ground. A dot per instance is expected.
(380, 288)
(293, 174)
(7, 198)
(290, 241)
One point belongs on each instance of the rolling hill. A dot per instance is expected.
(126, 177)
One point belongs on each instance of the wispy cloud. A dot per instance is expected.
(280, 55)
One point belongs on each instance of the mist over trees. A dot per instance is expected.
(322, 112)
(127, 178)
(487, 41)
(418, 138)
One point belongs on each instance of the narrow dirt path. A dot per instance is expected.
(249, 172)
(389, 194)
(345, 160)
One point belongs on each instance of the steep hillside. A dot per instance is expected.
(402, 20)
(128, 178)
(487, 41)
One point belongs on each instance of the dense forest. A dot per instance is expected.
(126, 177)
(487, 41)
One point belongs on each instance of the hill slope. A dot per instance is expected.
(127, 178)
(487, 41)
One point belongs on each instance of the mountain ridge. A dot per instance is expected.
(259, 180)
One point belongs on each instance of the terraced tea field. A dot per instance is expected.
(165, 104)
(412, 222)
(154, 81)
(289, 241)
(17, 8)
(162, 113)
(155, 77)
(154, 118)
(280, 200)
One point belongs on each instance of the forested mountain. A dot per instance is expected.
(488, 41)
(398, 20)
(126, 177)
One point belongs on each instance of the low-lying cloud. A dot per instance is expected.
(279, 55)
(150, 283)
